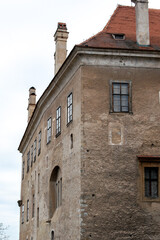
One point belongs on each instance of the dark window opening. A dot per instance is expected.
(69, 108)
(39, 143)
(35, 149)
(49, 130)
(31, 155)
(71, 140)
(52, 235)
(118, 36)
(151, 182)
(28, 161)
(27, 210)
(58, 121)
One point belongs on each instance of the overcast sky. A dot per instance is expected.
(26, 59)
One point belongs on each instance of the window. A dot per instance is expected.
(69, 108)
(151, 182)
(33, 205)
(37, 217)
(28, 161)
(27, 210)
(52, 235)
(35, 149)
(22, 213)
(120, 96)
(150, 177)
(49, 130)
(39, 143)
(38, 182)
(31, 155)
(58, 121)
(23, 165)
(71, 140)
(55, 190)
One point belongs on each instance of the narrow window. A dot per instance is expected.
(151, 182)
(49, 130)
(37, 217)
(22, 213)
(52, 235)
(33, 205)
(58, 121)
(35, 149)
(39, 143)
(69, 108)
(71, 140)
(28, 161)
(31, 155)
(38, 182)
(23, 165)
(27, 210)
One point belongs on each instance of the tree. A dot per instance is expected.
(3, 234)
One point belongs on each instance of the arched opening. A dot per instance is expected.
(52, 235)
(55, 190)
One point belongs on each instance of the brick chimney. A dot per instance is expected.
(142, 22)
(31, 102)
(60, 37)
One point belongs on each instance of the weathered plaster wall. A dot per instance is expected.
(111, 202)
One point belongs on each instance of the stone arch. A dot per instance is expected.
(55, 190)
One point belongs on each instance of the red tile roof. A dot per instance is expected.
(123, 21)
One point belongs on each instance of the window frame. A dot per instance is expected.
(22, 212)
(27, 214)
(111, 94)
(28, 161)
(151, 162)
(58, 121)
(39, 142)
(23, 169)
(35, 150)
(31, 155)
(49, 130)
(69, 108)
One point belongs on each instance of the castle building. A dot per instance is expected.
(91, 149)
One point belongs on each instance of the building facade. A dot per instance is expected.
(91, 150)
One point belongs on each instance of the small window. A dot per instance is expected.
(58, 121)
(38, 182)
(28, 161)
(37, 217)
(120, 97)
(49, 130)
(52, 235)
(27, 210)
(118, 36)
(31, 155)
(151, 182)
(35, 149)
(22, 213)
(69, 108)
(23, 166)
(39, 143)
(33, 205)
(71, 140)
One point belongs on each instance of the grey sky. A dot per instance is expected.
(26, 59)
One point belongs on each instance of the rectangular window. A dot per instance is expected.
(23, 165)
(35, 149)
(22, 214)
(120, 96)
(31, 155)
(38, 182)
(39, 143)
(58, 121)
(33, 205)
(151, 182)
(69, 108)
(37, 217)
(27, 210)
(28, 161)
(49, 130)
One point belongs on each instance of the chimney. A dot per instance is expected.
(142, 22)
(60, 37)
(31, 102)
